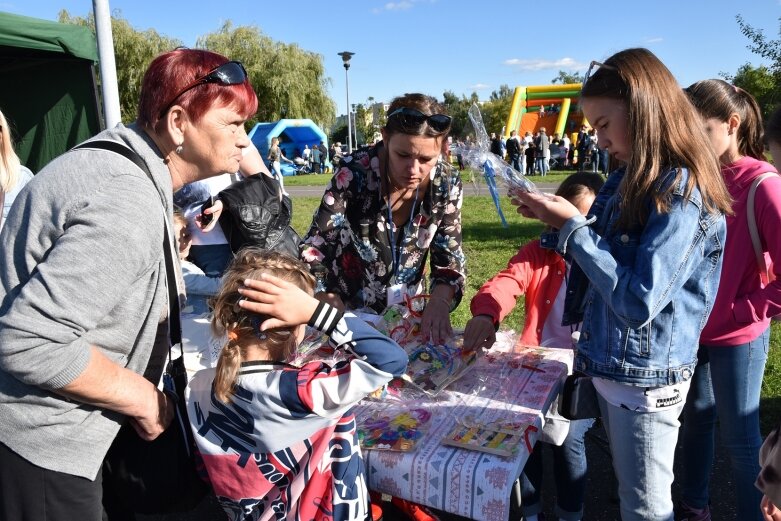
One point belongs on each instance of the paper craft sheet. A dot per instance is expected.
(502, 440)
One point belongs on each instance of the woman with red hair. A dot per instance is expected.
(83, 305)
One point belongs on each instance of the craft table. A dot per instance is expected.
(473, 484)
(508, 383)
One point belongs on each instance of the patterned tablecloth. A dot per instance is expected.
(502, 385)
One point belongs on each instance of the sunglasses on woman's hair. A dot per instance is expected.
(229, 73)
(410, 120)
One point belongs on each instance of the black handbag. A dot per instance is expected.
(159, 476)
(578, 399)
(257, 213)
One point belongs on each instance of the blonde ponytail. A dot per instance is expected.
(9, 161)
(227, 372)
(242, 326)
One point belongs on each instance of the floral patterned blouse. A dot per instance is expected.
(348, 246)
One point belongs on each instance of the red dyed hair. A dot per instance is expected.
(171, 72)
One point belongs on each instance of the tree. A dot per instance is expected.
(286, 78)
(363, 125)
(339, 134)
(760, 83)
(768, 49)
(458, 109)
(764, 83)
(496, 110)
(566, 78)
(133, 50)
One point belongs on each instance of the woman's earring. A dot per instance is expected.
(179, 149)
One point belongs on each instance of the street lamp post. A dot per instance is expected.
(355, 125)
(346, 55)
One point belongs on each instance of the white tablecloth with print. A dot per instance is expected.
(473, 484)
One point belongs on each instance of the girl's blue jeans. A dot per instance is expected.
(569, 472)
(643, 448)
(726, 385)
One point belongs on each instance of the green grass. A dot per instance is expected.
(488, 246)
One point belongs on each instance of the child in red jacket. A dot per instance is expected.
(539, 273)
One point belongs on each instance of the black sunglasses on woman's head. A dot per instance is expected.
(229, 73)
(410, 119)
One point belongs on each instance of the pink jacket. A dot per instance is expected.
(743, 307)
(534, 271)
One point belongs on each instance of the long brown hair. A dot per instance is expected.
(661, 133)
(242, 325)
(719, 100)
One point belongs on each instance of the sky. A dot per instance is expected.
(462, 46)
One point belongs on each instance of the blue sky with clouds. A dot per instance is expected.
(462, 46)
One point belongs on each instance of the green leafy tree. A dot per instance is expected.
(458, 109)
(761, 83)
(339, 134)
(764, 83)
(496, 110)
(363, 123)
(133, 50)
(565, 78)
(289, 81)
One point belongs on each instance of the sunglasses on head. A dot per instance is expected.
(593, 67)
(410, 120)
(229, 73)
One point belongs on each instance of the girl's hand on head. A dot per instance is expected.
(550, 209)
(283, 300)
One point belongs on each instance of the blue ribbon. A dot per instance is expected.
(490, 178)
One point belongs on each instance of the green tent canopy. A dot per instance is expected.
(48, 90)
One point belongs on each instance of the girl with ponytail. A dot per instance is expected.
(279, 441)
(733, 345)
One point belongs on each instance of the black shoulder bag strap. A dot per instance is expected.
(174, 320)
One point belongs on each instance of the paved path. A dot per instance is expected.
(469, 189)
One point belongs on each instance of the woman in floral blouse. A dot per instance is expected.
(382, 212)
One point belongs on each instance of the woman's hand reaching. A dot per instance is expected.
(435, 323)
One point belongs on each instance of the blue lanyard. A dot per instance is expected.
(396, 250)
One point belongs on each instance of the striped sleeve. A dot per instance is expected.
(325, 318)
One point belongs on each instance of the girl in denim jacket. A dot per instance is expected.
(650, 254)
(734, 343)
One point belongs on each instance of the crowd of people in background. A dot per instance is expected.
(659, 265)
(538, 153)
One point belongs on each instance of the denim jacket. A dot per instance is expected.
(649, 290)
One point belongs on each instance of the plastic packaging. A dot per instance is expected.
(493, 167)
(395, 427)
